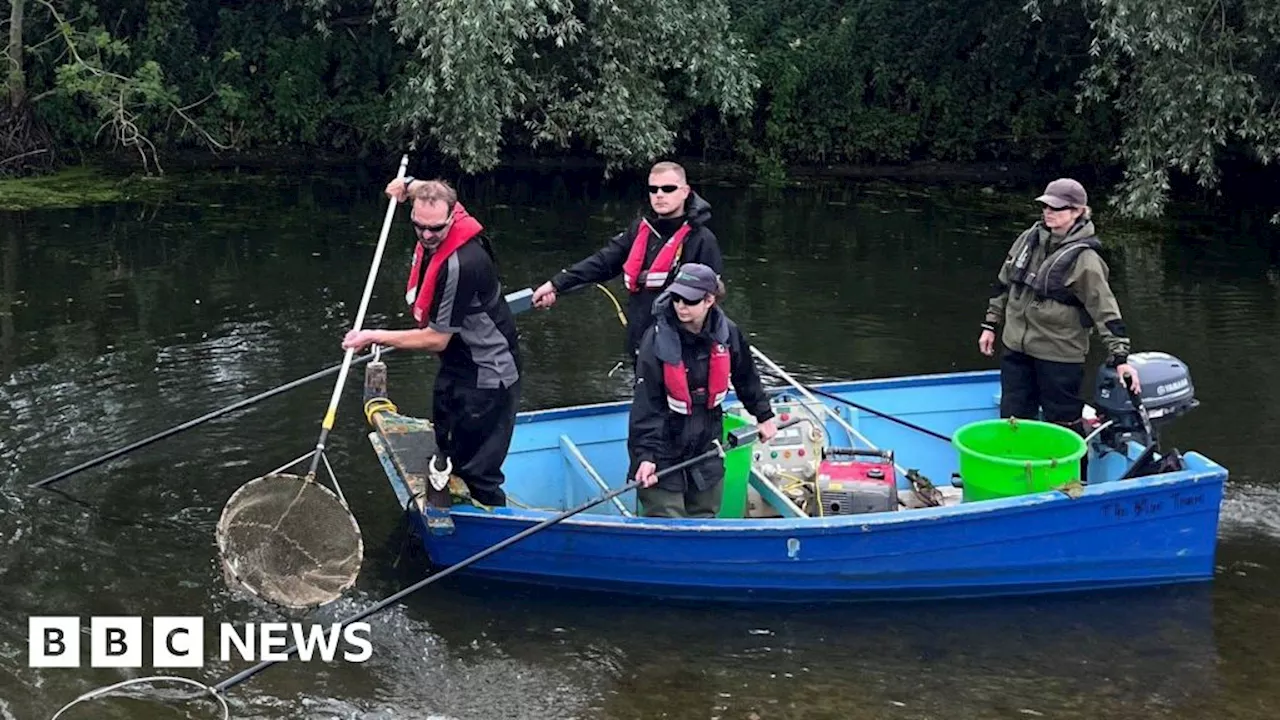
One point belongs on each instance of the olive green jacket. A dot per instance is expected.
(1046, 328)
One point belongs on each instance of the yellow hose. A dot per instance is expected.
(617, 307)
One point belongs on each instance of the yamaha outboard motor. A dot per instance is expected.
(1167, 393)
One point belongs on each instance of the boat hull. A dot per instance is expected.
(1112, 533)
(1136, 533)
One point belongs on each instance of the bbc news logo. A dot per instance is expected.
(178, 642)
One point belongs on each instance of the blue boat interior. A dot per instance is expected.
(823, 525)
(562, 458)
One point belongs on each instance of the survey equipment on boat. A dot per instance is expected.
(795, 451)
(856, 480)
(821, 479)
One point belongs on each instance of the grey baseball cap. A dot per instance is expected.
(694, 281)
(1064, 192)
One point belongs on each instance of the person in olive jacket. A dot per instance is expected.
(685, 365)
(1051, 292)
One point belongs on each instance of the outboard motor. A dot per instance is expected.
(1167, 393)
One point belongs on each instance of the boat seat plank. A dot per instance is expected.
(583, 470)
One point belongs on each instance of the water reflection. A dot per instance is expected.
(8, 298)
(1129, 650)
(119, 322)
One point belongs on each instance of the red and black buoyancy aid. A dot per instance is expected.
(633, 275)
(675, 376)
(420, 296)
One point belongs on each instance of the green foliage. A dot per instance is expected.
(880, 81)
(75, 187)
(1191, 79)
(105, 84)
(182, 73)
(617, 77)
(1160, 87)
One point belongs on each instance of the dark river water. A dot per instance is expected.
(117, 322)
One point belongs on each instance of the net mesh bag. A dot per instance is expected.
(289, 540)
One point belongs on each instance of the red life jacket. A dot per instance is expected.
(675, 379)
(421, 296)
(663, 264)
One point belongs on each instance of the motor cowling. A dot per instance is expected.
(1167, 392)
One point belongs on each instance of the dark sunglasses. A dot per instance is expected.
(432, 228)
(1047, 206)
(668, 189)
(685, 301)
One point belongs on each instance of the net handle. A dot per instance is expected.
(331, 413)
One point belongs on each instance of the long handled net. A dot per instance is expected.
(290, 540)
(286, 538)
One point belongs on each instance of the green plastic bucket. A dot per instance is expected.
(1009, 457)
(737, 471)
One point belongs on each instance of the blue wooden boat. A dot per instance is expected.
(1159, 527)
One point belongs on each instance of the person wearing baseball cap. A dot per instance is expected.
(1051, 292)
(1064, 192)
(685, 364)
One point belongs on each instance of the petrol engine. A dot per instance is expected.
(1167, 393)
(819, 479)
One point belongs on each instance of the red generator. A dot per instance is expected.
(853, 481)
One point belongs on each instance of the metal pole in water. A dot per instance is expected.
(198, 421)
(740, 436)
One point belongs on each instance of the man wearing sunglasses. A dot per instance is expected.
(673, 231)
(462, 316)
(1050, 293)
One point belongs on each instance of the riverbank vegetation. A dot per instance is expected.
(1151, 93)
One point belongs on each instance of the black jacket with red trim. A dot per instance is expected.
(664, 437)
(701, 246)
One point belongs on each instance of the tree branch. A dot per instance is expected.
(17, 79)
(19, 156)
(115, 100)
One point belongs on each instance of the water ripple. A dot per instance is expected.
(1251, 509)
